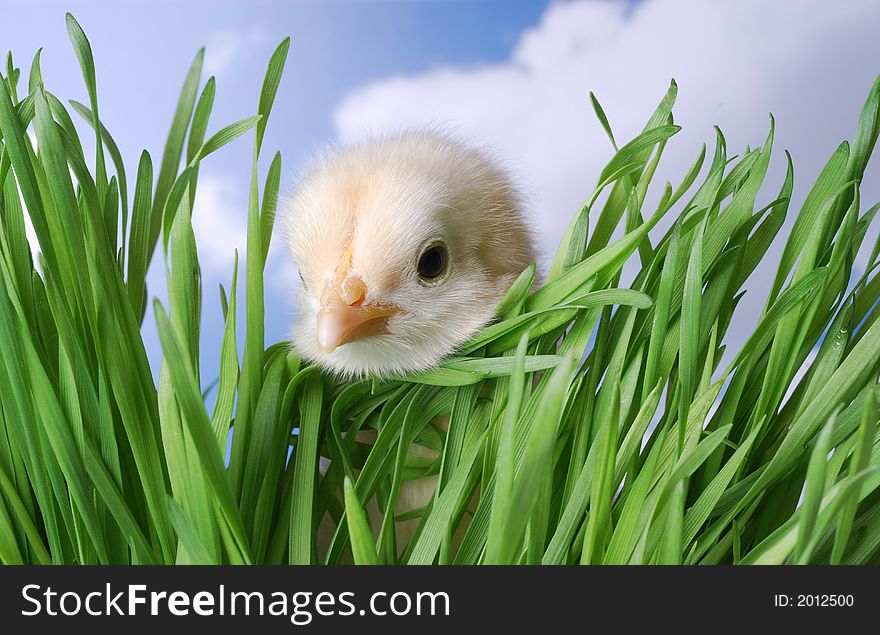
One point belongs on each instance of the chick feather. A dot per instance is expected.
(362, 216)
(358, 226)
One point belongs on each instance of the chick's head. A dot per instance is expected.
(405, 245)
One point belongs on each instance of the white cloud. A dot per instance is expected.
(811, 64)
(29, 231)
(225, 45)
(219, 223)
(220, 226)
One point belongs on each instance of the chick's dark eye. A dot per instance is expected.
(433, 262)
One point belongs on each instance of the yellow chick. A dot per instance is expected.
(405, 245)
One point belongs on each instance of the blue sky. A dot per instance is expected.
(143, 49)
(511, 74)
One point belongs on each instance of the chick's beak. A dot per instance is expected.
(344, 317)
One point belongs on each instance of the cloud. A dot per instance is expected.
(29, 231)
(811, 64)
(220, 226)
(219, 222)
(225, 45)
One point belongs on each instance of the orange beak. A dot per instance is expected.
(344, 317)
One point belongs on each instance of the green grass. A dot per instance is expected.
(599, 424)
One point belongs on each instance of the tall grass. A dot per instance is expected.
(597, 423)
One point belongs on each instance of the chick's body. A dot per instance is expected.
(405, 245)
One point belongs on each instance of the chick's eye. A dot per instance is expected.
(432, 263)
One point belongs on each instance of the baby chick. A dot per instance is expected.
(405, 245)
